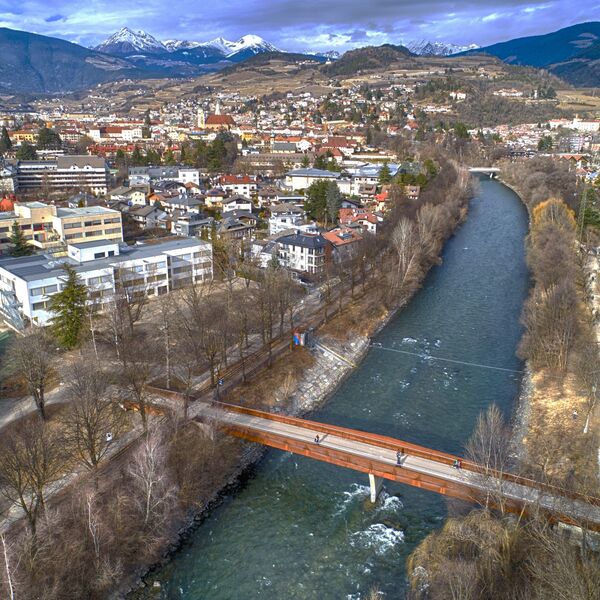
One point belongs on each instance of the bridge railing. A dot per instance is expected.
(412, 449)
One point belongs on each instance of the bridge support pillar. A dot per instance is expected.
(375, 483)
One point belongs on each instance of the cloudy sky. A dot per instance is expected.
(300, 24)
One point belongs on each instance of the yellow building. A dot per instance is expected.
(45, 225)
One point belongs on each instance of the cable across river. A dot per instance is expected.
(449, 360)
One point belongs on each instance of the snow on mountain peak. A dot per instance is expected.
(253, 43)
(427, 48)
(127, 40)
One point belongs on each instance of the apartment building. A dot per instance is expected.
(302, 252)
(64, 173)
(46, 225)
(28, 283)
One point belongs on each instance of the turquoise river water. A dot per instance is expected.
(299, 529)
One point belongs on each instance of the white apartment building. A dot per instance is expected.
(65, 173)
(301, 179)
(285, 216)
(304, 253)
(28, 283)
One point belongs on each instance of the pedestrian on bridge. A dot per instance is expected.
(317, 439)
(399, 454)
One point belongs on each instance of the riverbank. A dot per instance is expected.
(553, 439)
(342, 343)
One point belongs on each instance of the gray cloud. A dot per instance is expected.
(306, 25)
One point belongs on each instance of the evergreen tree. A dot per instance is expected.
(385, 175)
(68, 307)
(461, 131)
(26, 152)
(20, 247)
(333, 199)
(169, 158)
(48, 139)
(315, 204)
(5, 141)
(305, 161)
(147, 128)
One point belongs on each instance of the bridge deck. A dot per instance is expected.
(420, 467)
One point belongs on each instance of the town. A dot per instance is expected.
(196, 268)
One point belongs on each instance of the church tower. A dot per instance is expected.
(201, 119)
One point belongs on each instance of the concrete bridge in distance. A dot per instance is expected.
(491, 171)
(421, 467)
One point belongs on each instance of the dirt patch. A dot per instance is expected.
(273, 386)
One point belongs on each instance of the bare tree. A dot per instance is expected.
(489, 447)
(92, 419)
(153, 490)
(31, 458)
(137, 371)
(406, 270)
(8, 569)
(550, 325)
(31, 357)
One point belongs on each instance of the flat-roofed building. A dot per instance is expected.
(64, 173)
(28, 283)
(46, 225)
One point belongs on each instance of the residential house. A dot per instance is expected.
(285, 216)
(241, 185)
(150, 217)
(237, 203)
(302, 252)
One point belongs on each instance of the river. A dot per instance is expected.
(301, 529)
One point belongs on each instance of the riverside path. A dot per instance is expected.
(383, 457)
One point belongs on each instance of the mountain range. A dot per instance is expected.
(133, 45)
(34, 64)
(571, 53)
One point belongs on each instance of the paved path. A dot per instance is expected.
(374, 454)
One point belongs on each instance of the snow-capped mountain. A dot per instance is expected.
(126, 42)
(138, 44)
(251, 43)
(247, 45)
(427, 48)
(174, 45)
(221, 44)
(331, 54)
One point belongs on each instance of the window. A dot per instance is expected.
(98, 280)
(100, 255)
(39, 305)
(92, 223)
(112, 220)
(111, 253)
(43, 290)
(111, 231)
(72, 225)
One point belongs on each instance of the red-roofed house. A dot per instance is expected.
(242, 185)
(217, 122)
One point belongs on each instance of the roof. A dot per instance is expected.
(66, 162)
(286, 208)
(219, 120)
(303, 240)
(85, 211)
(310, 172)
(342, 236)
(40, 266)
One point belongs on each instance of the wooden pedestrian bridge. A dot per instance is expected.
(376, 455)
